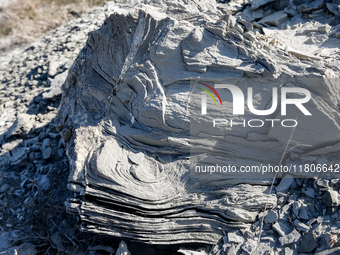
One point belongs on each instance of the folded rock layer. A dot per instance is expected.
(125, 118)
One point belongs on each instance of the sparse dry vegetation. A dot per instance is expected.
(27, 20)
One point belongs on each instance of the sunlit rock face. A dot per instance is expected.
(132, 133)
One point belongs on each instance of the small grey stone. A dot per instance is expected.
(338, 223)
(60, 143)
(31, 156)
(296, 207)
(282, 227)
(292, 237)
(258, 3)
(290, 11)
(285, 183)
(322, 183)
(19, 155)
(235, 238)
(225, 239)
(293, 198)
(271, 217)
(301, 226)
(331, 198)
(56, 84)
(250, 36)
(5, 187)
(249, 234)
(328, 238)
(303, 214)
(247, 25)
(332, 251)
(310, 192)
(284, 211)
(281, 200)
(288, 251)
(46, 152)
(22, 125)
(275, 19)
(46, 142)
(43, 182)
(54, 66)
(60, 152)
(335, 216)
(333, 8)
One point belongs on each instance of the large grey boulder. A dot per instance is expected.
(126, 100)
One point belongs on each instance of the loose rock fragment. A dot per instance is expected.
(43, 182)
(56, 84)
(332, 251)
(275, 19)
(331, 198)
(271, 217)
(333, 8)
(46, 149)
(285, 184)
(301, 226)
(292, 237)
(310, 192)
(282, 227)
(235, 238)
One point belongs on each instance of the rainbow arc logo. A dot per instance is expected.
(209, 93)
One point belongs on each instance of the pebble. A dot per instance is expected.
(46, 152)
(4, 188)
(303, 213)
(296, 208)
(292, 237)
(43, 182)
(60, 152)
(271, 217)
(233, 237)
(284, 210)
(288, 251)
(301, 226)
(308, 243)
(282, 227)
(310, 192)
(285, 183)
(293, 198)
(332, 251)
(331, 198)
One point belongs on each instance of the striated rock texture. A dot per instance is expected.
(125, 118)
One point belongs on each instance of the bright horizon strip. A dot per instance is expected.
(213, 90)
(211, 95)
